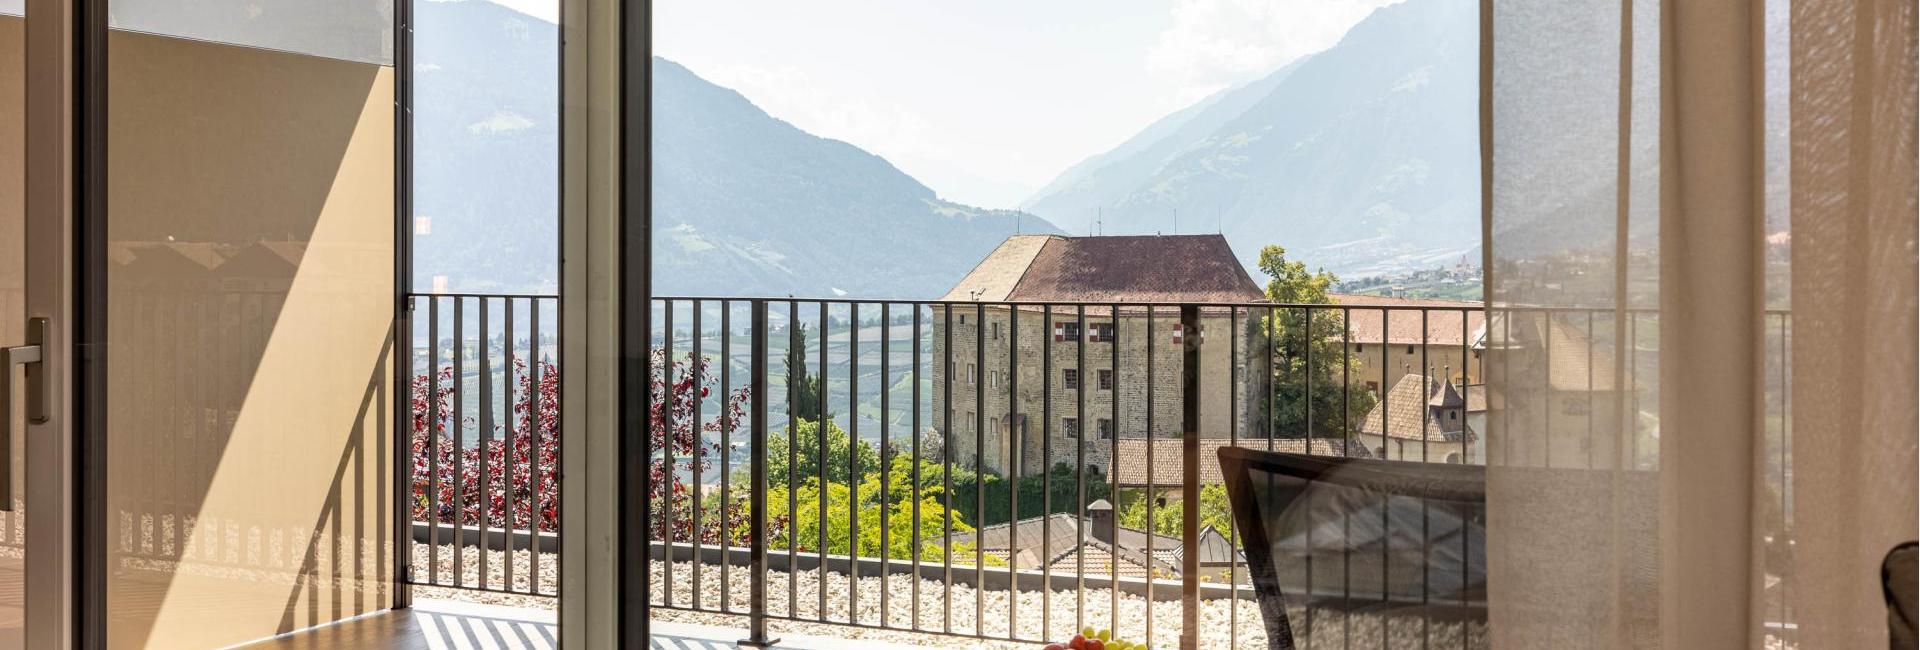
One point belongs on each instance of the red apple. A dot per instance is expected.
(1054, 646)
(1096, 644)
(1079, 642)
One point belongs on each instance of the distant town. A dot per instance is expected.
(1459, 281)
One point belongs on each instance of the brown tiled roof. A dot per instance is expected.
(1477, 398)
(1100, 560)
(1030, 540)
(1142, 268)
(995, 277)
(1167, 470)
(1403, 317)
(1416, 412)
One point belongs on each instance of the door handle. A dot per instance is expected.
(28, 356)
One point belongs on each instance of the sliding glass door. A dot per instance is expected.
(247, 276)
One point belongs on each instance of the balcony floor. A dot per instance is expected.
(453, 625)
(432, 625)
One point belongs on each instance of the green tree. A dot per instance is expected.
(968, 487)
(1289, 282)
(840, 507)
(806, 386)
(840, 447)
(1215, 511)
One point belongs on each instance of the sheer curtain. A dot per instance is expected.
(1700, 253)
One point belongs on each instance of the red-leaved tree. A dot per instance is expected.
(521, 463)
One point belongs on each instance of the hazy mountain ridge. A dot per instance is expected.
(1364, 157)
(744, 203)
(486, 167)
(747, 204)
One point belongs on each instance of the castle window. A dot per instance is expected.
(1070, 426)
(1105, 380)
(1070, 378)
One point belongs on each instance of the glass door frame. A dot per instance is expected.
(69, 135)
(57, 607)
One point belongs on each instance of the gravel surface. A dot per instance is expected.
(1224, 623)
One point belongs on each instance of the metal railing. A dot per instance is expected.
(949, 488)
(485, 429)
(964, 383)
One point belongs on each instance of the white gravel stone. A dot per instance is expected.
(1224, 623)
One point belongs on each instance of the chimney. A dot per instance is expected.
(1100, 517)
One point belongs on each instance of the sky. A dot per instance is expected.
(985, 101)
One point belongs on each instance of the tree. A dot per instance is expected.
(1168, 518)
(806, 444)
(1293, 335)
(806, 386)
(520, 461)
(530, 499)
(840, 508)
(968, 486)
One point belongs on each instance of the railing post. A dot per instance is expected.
(1191, 336)
(757, 496)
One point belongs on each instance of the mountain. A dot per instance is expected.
(1363, 158)
(747, 204)
(486, 161)
(743, 203)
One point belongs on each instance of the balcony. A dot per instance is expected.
(952, 510)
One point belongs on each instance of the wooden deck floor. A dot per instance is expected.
(431, 625)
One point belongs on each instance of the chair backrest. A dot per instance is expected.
(1348, 544)
(1898, 582)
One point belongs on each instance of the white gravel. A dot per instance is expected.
(1224, 623)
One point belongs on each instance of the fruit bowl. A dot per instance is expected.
(1092, 639)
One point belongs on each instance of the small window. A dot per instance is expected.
(1070, 426)
(1101, 333)
(972, 374)
(1409, 349)
(1359, 348)
(1373, 386)
(1453, 415)
(963, 319)
(1067, 331)
(1106, 380)
(993, 378)
(1105, 428)
(996, 331)
(1070, 378)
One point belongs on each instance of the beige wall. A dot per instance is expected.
(1399, 361)
(1130, 386)
(251, 302)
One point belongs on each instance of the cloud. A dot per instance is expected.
(1212, 44)
(500, 122)
(547, 10)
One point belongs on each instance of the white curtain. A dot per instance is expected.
(1701, 286)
